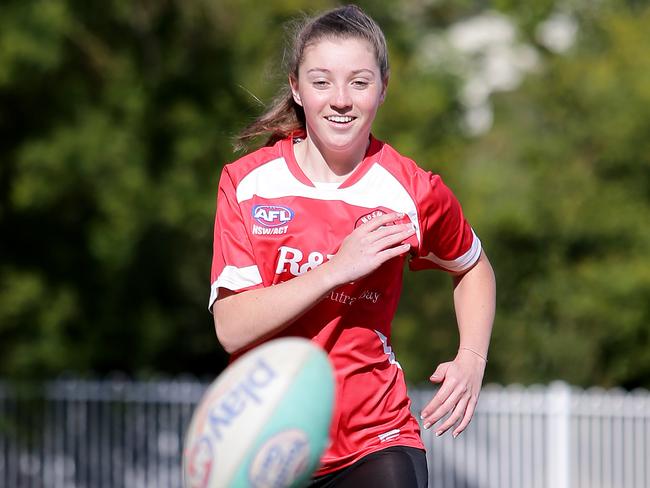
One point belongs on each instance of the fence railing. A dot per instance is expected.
(95, 434)
(547, 437)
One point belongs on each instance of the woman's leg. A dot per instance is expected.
(393, 467)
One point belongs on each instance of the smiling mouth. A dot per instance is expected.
(340, 119)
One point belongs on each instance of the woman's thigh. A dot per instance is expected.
(393, 467)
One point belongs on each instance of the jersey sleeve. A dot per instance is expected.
(233, 260)
(448, 241)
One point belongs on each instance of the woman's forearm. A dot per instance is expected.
(475, 302)
(243, 318)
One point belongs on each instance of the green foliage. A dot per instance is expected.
(565, 179)
(117, 117)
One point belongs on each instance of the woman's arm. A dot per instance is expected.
(243, 318)
(475, 303)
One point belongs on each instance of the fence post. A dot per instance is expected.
(558, 405)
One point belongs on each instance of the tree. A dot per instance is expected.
(561, 186)
(117, 117)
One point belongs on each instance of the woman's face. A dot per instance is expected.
(340, 88)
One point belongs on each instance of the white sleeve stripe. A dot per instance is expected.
(461, 263)
(234, 279)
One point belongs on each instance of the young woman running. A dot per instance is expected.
(311, 235)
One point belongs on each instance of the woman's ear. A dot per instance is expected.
(293, 83)
(382, 97)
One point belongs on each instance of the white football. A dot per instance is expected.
(264, 422)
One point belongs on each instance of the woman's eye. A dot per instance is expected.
(320, 84)
(360, 83)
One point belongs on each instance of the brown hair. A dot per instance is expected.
(285, 116)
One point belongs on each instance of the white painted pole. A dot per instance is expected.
(558, 407)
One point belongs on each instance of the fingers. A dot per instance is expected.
(369, 246)
(387, 242)
(390, 236)
(440, 372)
(456, 399)
(437, 377)
(459, 405)
(376, 236)
(469, 413)
(443, 403)
(392, 252)
(456, 415)
(382, 220)
(387, 232)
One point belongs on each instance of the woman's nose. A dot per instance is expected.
(341, 98)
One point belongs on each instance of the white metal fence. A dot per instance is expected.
(547, 437)
(89, 434)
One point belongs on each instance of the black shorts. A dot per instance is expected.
(393, 467)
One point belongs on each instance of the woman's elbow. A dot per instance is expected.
(225, 336)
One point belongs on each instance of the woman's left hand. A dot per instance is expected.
(458, 394)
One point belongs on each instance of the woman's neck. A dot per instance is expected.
(324, 166)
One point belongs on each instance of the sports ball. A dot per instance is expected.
(264, 422)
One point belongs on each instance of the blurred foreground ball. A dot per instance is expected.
(264, 422)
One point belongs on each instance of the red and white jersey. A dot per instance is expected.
(274, 224)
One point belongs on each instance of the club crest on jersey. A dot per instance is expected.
(369, 216)
(272, 215)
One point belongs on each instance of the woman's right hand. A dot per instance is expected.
(369, 246)
(241, 319)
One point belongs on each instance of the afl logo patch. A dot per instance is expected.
(272, 215)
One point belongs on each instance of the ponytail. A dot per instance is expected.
(283, 117)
